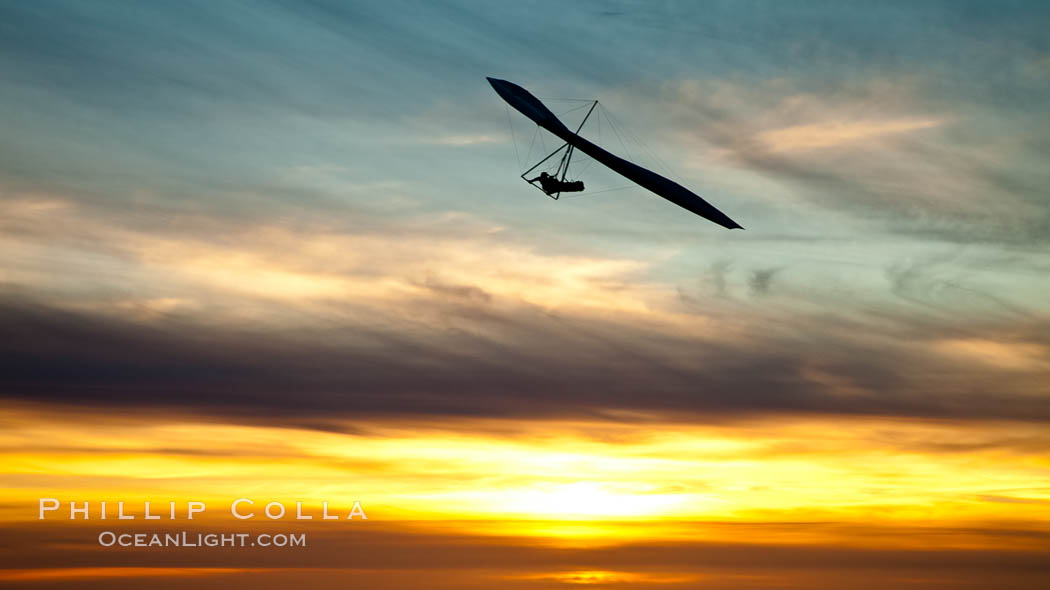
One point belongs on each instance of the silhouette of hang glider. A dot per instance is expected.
(531, 107)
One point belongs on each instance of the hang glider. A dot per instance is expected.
(531, 107)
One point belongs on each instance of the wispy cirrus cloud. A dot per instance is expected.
(465, 140)
(887, 150)
(837, 133)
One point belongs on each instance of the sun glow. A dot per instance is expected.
(545, 478)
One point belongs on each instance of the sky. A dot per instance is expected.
(282, 249)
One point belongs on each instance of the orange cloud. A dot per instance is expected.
(542, 478)
(1003, 355)
(837, 133)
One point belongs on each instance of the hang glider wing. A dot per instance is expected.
(531, 107)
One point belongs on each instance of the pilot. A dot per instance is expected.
(548, 183)
(551, 184)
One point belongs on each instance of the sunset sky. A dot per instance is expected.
(280, 250)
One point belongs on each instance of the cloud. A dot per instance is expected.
(884, 150)
(390, 557)
(465, 140)
(836, 133)
(452, 315)
(762, 279)
(496, 361)
(1001, 354)
(1012, 500)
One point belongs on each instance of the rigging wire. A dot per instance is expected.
(528, 156)
(633, 137)
(513, 138)
(592, 193)
(616, 132)
(582, 106)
